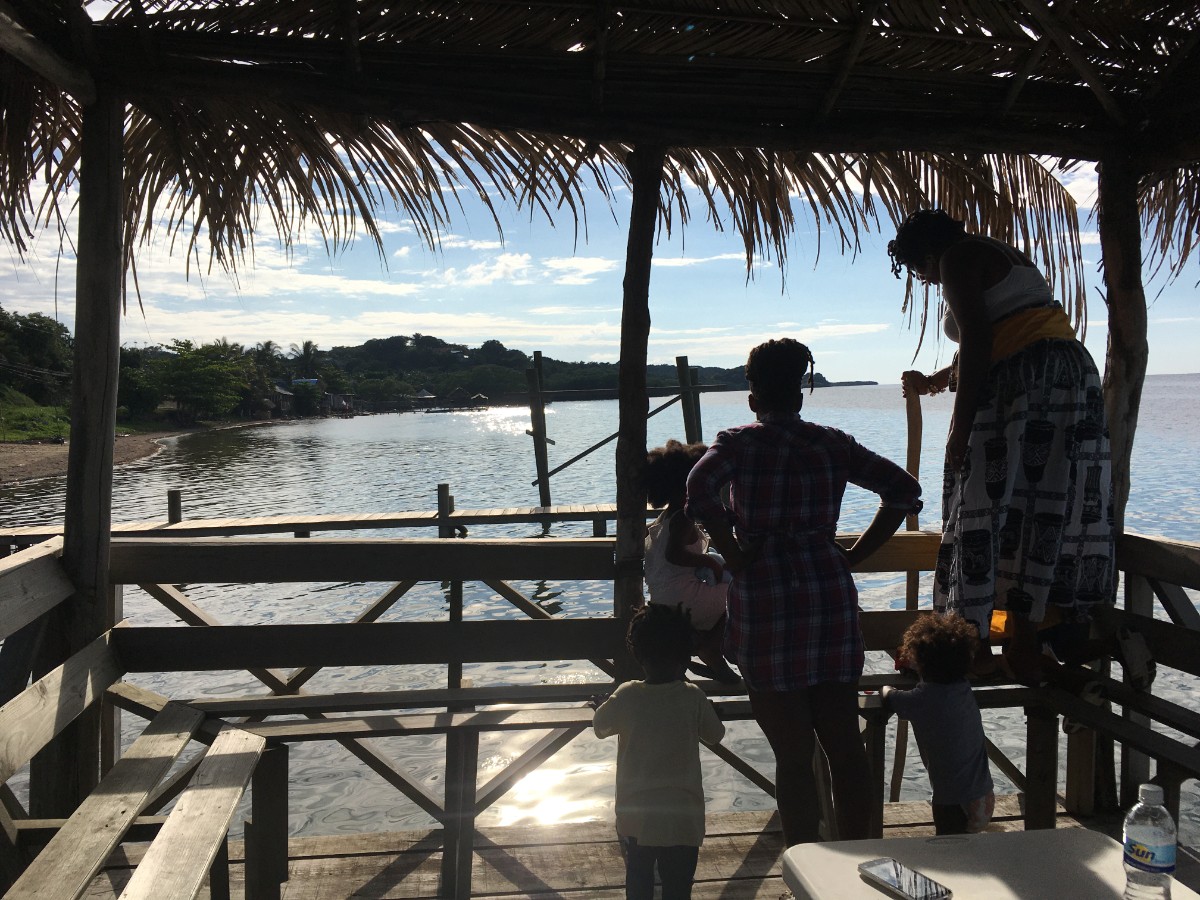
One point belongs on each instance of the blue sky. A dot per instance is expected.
(539, 288)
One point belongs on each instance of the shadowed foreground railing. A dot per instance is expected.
(246, 740)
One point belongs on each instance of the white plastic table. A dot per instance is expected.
(1061, 863)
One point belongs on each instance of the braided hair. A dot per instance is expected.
(923, 232)
(777, 368)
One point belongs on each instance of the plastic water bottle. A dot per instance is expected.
(1149, 840)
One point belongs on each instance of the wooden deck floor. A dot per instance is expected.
(739, 860)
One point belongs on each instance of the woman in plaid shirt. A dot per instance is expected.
(793, 606)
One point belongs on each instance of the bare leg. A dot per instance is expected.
(835, 718)
(708, 649)
(786, 719)
(1024, 652)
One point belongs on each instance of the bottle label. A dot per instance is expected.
(1158, 858)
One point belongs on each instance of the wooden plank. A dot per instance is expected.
(80, 848)
(179, 603)
(266, 841)
(178, 861)
(362, 727)
(32, 582)
(205, 560)
(1129, 732)
(1177, 562)
(417, 699)
(1041, 767)
(905, 551)
(167, 649)
(385, 602)
(1177, 603)
(31, 720)
(882, 629)
(509, 719)
(1171, 645)
(531, 609)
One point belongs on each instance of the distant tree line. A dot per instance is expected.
(222, 379)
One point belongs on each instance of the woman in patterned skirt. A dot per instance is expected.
(1026, 503)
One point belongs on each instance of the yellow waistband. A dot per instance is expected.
(1023, 328)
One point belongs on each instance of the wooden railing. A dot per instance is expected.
(285, 657)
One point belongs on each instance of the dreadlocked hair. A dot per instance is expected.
(667, 469)
(941, 645)
(777, 368)
(923, 232)
(660, 633)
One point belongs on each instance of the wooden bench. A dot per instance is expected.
(189, 846)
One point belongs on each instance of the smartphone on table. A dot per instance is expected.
(898, 880)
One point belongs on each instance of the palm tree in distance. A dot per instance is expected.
(306, 357)
(267, 356)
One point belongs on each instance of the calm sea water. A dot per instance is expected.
(390, 463)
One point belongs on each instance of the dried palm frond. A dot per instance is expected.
(1170, 204)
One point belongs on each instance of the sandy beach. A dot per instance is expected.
(24, 462)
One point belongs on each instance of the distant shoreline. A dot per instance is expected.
(30, 461)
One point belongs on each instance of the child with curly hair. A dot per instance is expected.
(945, 719)
(680, 570)
(659, 723)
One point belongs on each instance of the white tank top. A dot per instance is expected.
(1023, 287)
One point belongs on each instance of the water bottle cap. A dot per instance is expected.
(1150, 794)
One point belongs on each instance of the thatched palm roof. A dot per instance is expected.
(323, 111)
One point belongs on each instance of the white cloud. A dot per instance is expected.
(576, 270)
(572, 310)
(455, 242)
(682, 261)
(508, 267)
(402, 252)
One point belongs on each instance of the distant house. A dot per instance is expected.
(282, 401)
(458, 397)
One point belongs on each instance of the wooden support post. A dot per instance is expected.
(462, 766)
(645, 170)
(1080, 792)
(1041, 768)
(110, 713)
(445, 506)
(1171, 778)
(174, 505)
(69, 768)
(218, 873)
(912, 410)
(537, 416)
(446, 530)
(267, 829)
(874, 723)
(694, 377)
(687, 397)
(1120, 230)
(1135, 765)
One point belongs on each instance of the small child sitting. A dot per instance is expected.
(679, 568)
(659, 723)
(945, 719)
